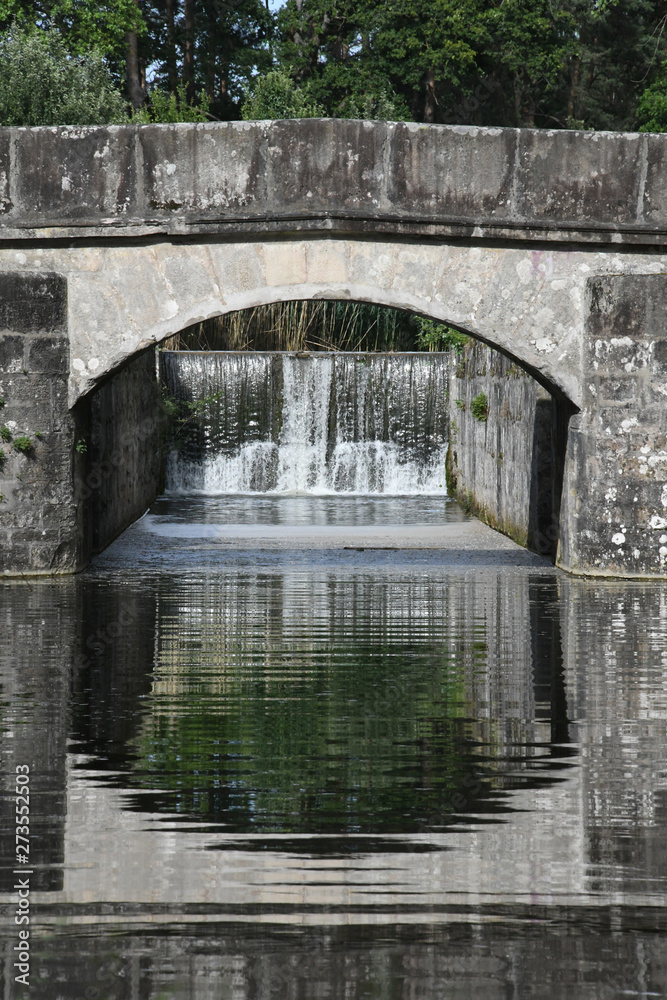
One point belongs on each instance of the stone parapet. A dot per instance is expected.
(338, 177)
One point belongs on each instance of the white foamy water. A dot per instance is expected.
(321, 425)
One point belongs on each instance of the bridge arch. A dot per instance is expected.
(522, 302)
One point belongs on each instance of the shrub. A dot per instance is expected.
(23, 444)
(480, 407)
(41, 83)
(434, 336)
(172, 108)
(275, 96)
(375, 107)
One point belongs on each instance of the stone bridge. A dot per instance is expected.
(548, 246)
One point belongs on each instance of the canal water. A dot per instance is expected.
(316, 744)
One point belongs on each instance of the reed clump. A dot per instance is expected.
(317, 326)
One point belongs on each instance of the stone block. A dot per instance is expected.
(617, 390)
(285, 269)
(468, 174)
(654, 196)
(12, 351)
(15, 552)
(551, 189)
(74, 174)
(5, 160)
(312, 172)
(33, 303)
(53, 553)
(30, 417)
(659, 358)
(48, 354)
(204, 169)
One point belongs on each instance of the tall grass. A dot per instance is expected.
(316, 326)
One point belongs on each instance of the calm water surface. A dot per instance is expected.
(356, 774)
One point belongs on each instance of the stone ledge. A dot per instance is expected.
(333, 175)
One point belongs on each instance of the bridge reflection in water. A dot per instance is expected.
(375, 773)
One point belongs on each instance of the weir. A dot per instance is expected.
(319, 424)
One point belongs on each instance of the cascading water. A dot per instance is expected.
(318, 424)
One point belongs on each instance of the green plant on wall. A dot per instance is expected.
(23, 444)
(480, 407)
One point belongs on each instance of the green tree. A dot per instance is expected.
(208, 45)
(611, 48)
(83, 25)
(390, 52)
(110, 27)
(536, 63)
(41, 83)
(652, 107)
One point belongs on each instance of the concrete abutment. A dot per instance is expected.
(587, 486)
(614, 506)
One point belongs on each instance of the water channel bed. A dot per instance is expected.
(271, 771)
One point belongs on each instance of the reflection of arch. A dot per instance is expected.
(503, 297)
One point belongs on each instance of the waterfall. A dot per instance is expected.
(319, 424)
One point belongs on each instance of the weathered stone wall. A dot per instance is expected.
(70, 480)
(121, 429)
(506, 466)
(40, 523)
(614, 517)
(336, 176)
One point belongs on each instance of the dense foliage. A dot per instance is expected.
(596, 64)
(544, 63)
(277, 95)
(42, 84)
